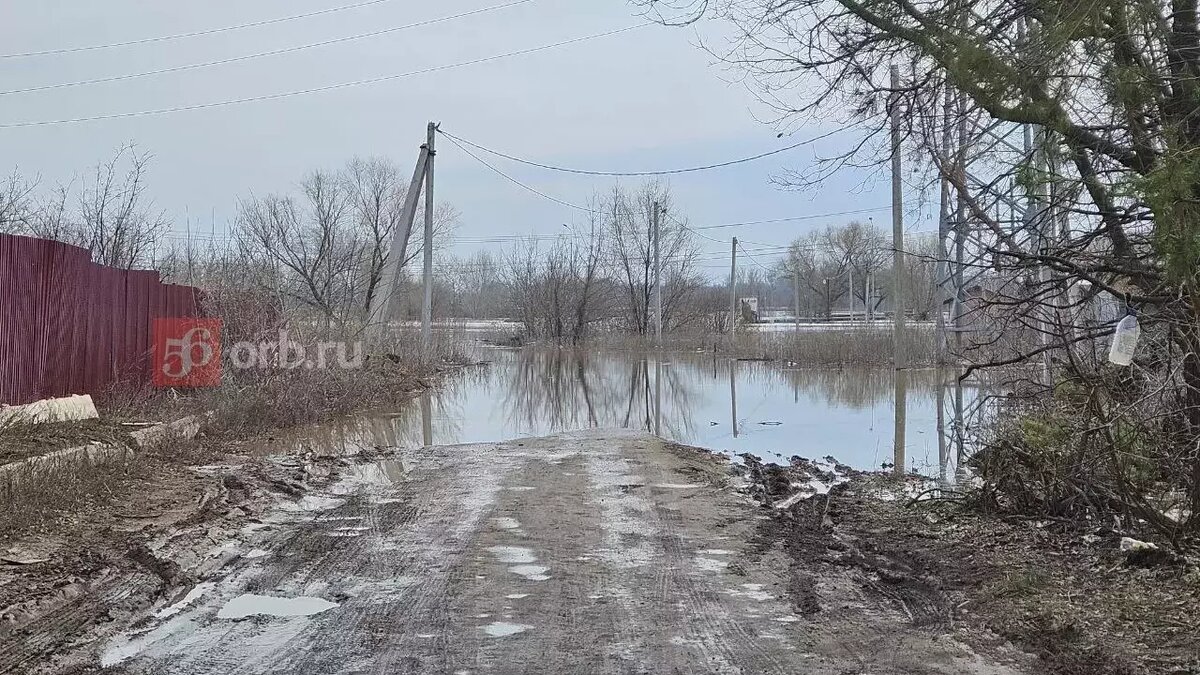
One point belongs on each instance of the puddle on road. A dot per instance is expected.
(266, 605)
(726, 406)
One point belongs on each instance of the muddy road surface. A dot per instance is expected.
(597, 552)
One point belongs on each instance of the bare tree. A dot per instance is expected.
(16, 207)
(310, 242)
(377, 200)
(110, 214)
(116, 220)
(629, 221)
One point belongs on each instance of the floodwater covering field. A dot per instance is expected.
(717, 403)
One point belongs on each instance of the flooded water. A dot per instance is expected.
(716, 403)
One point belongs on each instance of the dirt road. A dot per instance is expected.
(603, 552)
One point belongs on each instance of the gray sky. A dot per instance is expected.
(645, 99)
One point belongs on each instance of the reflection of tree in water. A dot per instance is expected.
(355, 435)
(855, 388)
(575, 388)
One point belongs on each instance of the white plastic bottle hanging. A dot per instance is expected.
(1124, 342)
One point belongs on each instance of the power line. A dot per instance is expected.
(515, 181)
(275, 52)
(753, 259)
(317, 90)
(694, 230)
(199, 33)
(814, 216)
(665, 172)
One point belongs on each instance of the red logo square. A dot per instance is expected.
(187, 352)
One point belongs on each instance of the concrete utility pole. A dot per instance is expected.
(427, 306)
(381, 301)
(796, 295)
(658, 306)
(897, 221)
(733, 303)
(899, 357)
(850, 281)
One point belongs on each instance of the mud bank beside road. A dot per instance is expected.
(1065, 594)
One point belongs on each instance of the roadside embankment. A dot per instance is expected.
(1071, 596)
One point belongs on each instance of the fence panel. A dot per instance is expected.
(70, 326)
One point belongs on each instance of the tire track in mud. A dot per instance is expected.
(705, 616)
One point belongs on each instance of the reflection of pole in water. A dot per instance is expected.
(901, 419)
(733, 393)
(427, 420)
(658, 396)
(960, 453)
(943, 449)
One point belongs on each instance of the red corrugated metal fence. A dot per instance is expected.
(70, 326)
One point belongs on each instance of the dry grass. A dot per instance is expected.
(36, 497)
(836, 347)
(46, 496)
(818, 347)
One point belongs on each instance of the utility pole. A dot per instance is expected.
(733, 303)
(796, 295)
(898, 346)
(658, 306)
(427, 306)
(850, 281)
(897, 221)
(381, 301)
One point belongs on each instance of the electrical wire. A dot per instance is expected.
(694, 230)
(664, 172)
(753, 259)
(507, 177)
(199, 33)
(326, 88)
(274, 52)
(814, 216)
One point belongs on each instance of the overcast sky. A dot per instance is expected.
(644, 99)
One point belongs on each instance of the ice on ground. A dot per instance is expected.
(516, 596)
(507, 523)
(677, 486)
(505, 629)
(192, 596)
(125, 647)
(531, 572)
(513, 555)
(313, 503)
(266, 605)
(256, 553)
(711, 564)
(754, 592)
